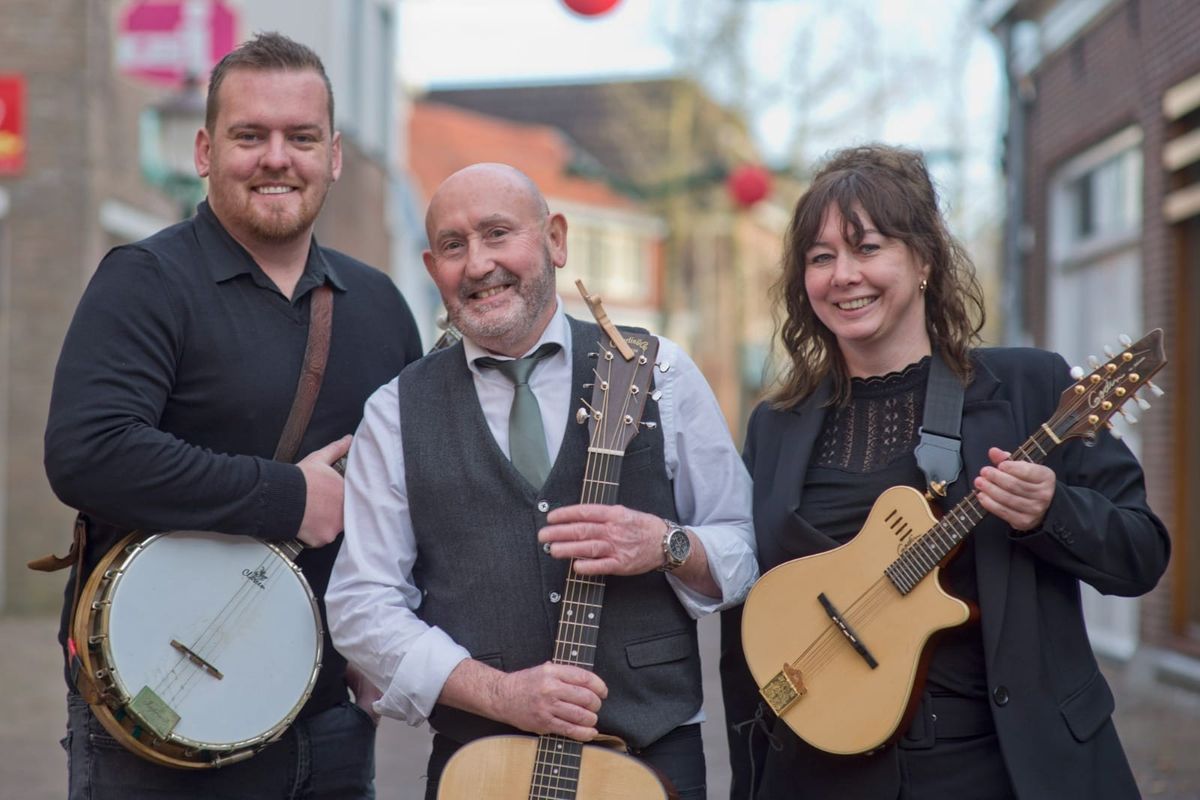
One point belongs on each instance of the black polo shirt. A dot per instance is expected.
(176, 377)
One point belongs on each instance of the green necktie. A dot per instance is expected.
(526, 436)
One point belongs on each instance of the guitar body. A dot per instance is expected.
(502, 768)
(848, 706)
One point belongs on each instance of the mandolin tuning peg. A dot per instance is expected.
(1116, 432)
(1093, 362)
(1124, 340)
(1156, 390)
(1076, 373)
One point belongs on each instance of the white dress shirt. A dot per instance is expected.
(371, 599)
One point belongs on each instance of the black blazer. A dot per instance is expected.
(1051, 704)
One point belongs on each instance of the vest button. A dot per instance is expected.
(543, 506)
(555, 597)
(1000, 695)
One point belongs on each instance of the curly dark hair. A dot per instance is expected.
(266, 51)
(891, 185)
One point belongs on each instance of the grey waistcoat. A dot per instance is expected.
(487, 582)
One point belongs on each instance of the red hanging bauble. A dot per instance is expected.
(590, 8)
(748, 184)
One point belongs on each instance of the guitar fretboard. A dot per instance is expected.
(932, 547)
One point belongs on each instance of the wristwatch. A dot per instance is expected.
(677, 547)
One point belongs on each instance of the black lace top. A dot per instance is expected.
(864, 448)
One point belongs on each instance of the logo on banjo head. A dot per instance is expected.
(258, 577)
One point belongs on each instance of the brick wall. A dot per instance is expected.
(1111, 76)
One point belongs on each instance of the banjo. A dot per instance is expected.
(202, 646)
(198, 649)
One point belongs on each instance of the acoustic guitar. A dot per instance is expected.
(524, 767)
(835, 640)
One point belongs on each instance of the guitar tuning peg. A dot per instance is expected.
(1157, 391)
(1129, 416)
(589, 386)
(655, 395)
(593, 355)
(1093, 362)
(1142, 402)
(581, 416)
(649, 425)
(1116, 432)
(663, 366)
(1108, 351)
(1124, 340)
(1076, 373)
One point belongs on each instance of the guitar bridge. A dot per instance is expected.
(784, 689)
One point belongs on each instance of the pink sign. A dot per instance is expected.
(164, 41)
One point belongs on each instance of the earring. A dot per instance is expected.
(923, 285)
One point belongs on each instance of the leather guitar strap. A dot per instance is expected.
(312, 373)
(939, 451)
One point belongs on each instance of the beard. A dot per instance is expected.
(499, 329)
(275, 225)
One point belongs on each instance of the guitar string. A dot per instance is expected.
(548, 772)
(565, 775)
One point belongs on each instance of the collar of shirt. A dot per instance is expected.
(550, 382)
(226, 258)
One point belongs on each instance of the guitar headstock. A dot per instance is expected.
(1088, 405)
(619, 393)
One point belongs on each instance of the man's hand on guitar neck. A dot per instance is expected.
(615, 540)
(323, 492)
(549, 698)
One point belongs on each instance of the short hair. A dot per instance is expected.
(266, 51)
(893, 188)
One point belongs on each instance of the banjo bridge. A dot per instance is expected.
(196, 659)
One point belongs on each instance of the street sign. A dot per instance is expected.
(12, 124)
(165, 41)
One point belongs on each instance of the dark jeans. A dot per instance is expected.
(678, 756)
(328, 756)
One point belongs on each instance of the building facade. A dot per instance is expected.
(1103, 238)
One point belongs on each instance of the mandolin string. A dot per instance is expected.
(822, 649)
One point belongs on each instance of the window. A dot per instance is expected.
(1095, 295)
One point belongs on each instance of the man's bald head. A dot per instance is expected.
(507, 183)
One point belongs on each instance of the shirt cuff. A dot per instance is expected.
(730, 562)
(420, 677)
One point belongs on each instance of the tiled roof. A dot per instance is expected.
(444, 139)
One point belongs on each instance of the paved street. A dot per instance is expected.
(1159, 725)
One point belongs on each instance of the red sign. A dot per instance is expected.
(12, 124)
(165, 41)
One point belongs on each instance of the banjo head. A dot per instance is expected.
(212, 641)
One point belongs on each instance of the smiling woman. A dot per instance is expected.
(877, 296)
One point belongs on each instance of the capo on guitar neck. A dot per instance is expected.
(593, 302)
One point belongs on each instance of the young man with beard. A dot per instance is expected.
(446, 593)
(176, 377)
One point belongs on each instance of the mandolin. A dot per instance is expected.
(835, 640)
(551, 766)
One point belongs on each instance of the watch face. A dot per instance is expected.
(679, 545)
